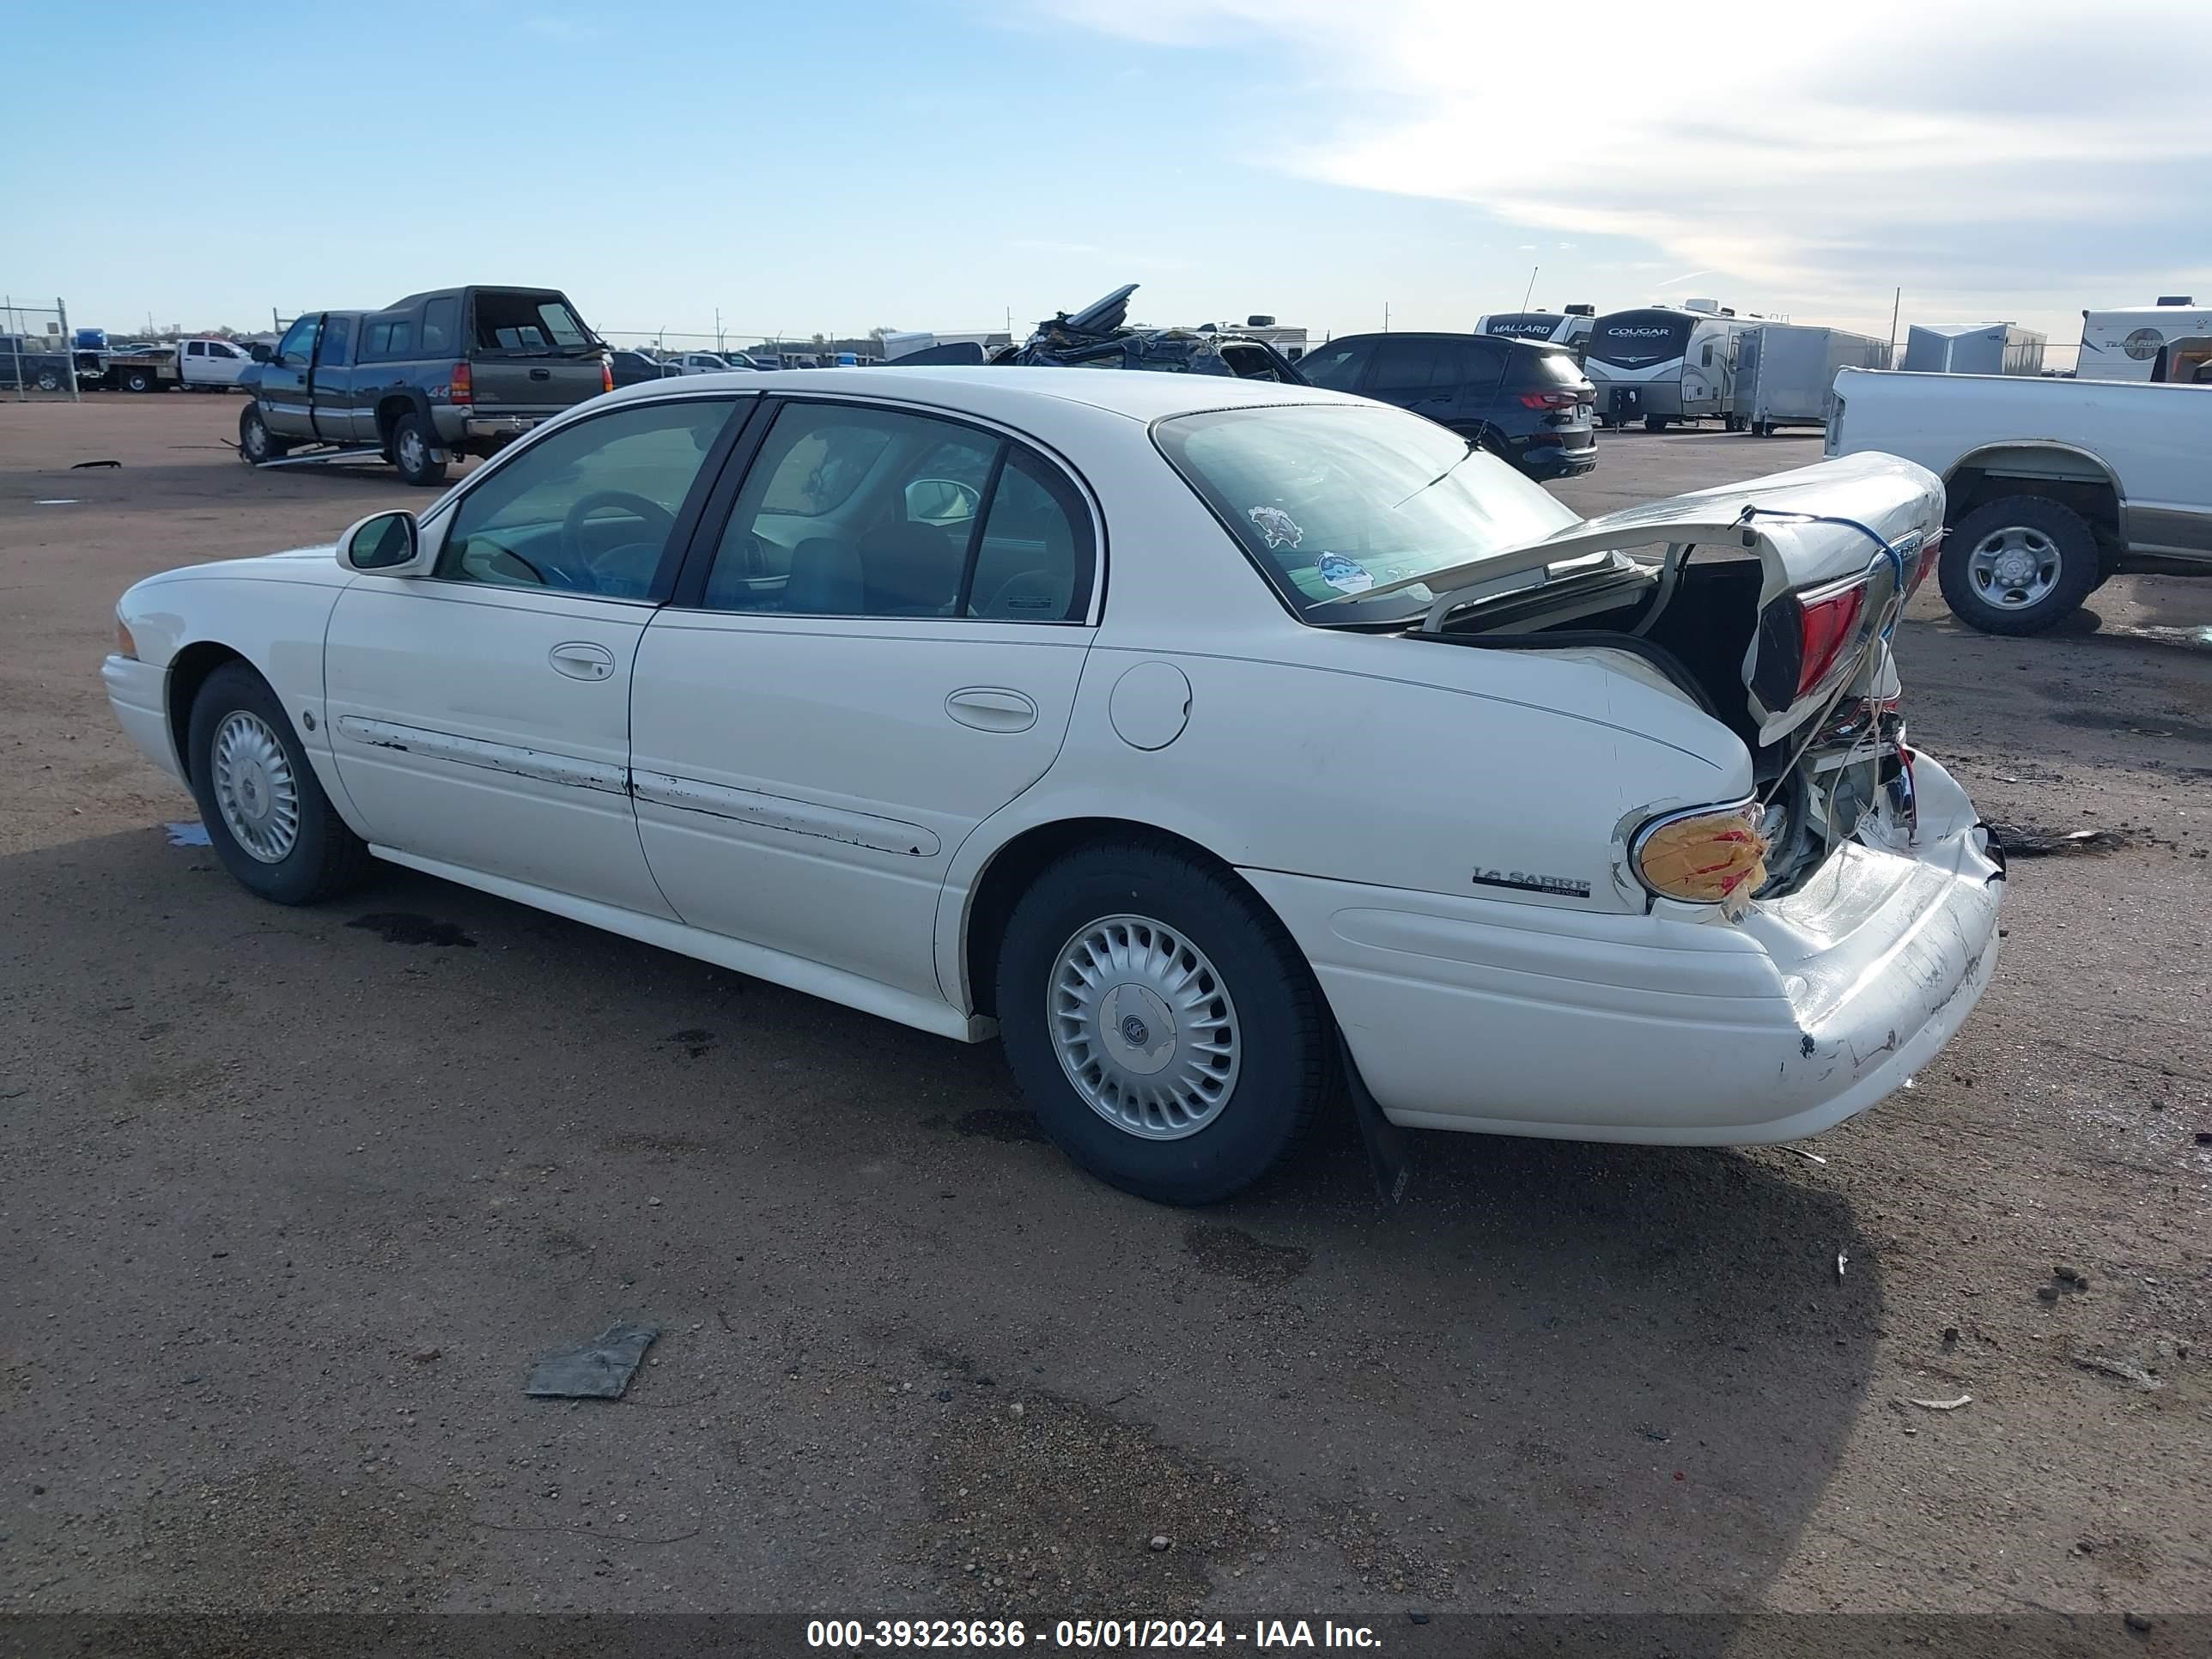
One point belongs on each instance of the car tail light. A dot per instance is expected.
(1549, 399)
(463, 390)
(1824, 627)
(1929, 550)
(1708, 855)
(606, 374)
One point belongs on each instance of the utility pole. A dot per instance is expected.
(1897, 302)
(1386, 316)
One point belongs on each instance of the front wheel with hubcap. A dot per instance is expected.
(266, 815)
(2018, 565)
(414, 451)
(256, 443)
(1161, 1023)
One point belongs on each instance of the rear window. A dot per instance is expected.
(539, 324)
(1329, 500)
(1545, 368)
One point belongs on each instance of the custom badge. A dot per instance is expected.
(1345, 576)
(1279, 528)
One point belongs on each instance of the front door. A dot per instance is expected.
(284, 379)
(480, 716)
(879, 651)
(330, 393)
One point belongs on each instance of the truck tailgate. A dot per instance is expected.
(535, 385)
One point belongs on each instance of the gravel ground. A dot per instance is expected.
(291, 1199)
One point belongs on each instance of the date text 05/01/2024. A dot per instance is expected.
(859, 1636)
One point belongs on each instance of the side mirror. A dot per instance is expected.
(385, 543)
(261, 353)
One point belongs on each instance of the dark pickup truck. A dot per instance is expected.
(461, 371)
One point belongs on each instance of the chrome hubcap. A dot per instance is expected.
(1144, 1027)
(2014, 568)
(254, 788)
(410, 451)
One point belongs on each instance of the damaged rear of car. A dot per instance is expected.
(1747, 946)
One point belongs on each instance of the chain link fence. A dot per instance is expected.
(38, 361)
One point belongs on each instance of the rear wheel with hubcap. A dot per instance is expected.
(266, 815)
(413, 452)
(1162, 1025)
(2018, 565)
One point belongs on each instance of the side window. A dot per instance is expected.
(856, 511)
(216, 348)
(297, 349)
(587, 508)
(441, 326)
(195, 350)
(336, 349)
(1036, 558)
(1706, 360)
(383, 342)
(850, 511)
(1403, 365)
(1336, 366)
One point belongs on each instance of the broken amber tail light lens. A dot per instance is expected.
(1709, 855)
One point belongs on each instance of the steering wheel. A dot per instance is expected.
(659, 520)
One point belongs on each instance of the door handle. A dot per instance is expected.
(541, 374)
(581, 660)
(991, 708)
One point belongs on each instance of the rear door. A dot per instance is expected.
(530, 355)
(879, 649)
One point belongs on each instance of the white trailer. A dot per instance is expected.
(1972, 348)
(1786, 372)
(2171, 341)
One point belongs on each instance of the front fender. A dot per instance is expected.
(186, 622)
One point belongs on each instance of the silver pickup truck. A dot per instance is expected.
(2053, 485)
(461, 371)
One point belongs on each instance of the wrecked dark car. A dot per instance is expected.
(1099, 337)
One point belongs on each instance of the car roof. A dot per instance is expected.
(1140, 394)
(1429, 334)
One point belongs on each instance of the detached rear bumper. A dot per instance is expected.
(1531, 1019)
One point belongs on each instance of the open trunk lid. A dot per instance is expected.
(530, 354)
(1840, 545)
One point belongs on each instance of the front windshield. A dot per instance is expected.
(1331, 500)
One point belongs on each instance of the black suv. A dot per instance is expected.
(1526, 402)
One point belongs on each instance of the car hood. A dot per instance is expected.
(293, 564)
(1808, 526)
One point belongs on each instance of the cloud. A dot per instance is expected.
(1971, 151)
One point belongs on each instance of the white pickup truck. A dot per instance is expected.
(2053, 485)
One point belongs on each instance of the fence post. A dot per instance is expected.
(14, 346)
(68, 350)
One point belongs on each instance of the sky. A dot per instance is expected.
(945, 164)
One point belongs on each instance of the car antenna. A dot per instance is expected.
(1504, 367)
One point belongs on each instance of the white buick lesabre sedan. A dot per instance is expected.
(1207, 741)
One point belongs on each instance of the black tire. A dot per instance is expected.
(413, 444)
(256, 442)
(1655, 423)
(139, 379)
(325, 858)
(2064, 532)
(1282, 1065)
(48, 380)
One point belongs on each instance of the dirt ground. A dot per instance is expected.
(292, 1200)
